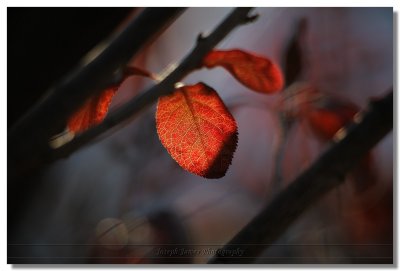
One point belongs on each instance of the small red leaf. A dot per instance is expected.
(197, 130)
(92, 112)
(95, 108)
(256, 72)
(324, 123)
(326, 120)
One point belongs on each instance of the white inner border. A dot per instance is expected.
(122, 3)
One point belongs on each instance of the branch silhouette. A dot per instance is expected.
(326, 173)
(28, 139)
(50, 115)
(190, 63)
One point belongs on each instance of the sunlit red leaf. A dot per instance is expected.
(197, 130)
(92, 112)
(256, 72)
(95, 108)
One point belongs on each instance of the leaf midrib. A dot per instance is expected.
(195, 120)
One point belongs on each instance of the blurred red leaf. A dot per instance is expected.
(92, 112)
(256, 72)
(197, 130)
(95, 108)
(328, 118)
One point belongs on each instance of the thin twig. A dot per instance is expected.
(190, 63)
(325, 174)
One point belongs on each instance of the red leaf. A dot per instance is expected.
(327, 119)
(92, 112)
(256, 72)
(95, 108)
(197, 130)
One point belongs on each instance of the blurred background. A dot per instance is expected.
(124, 199)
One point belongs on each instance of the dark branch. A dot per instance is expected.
(190, 63)
(28, 138)
(29, 156)
(326, 173)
